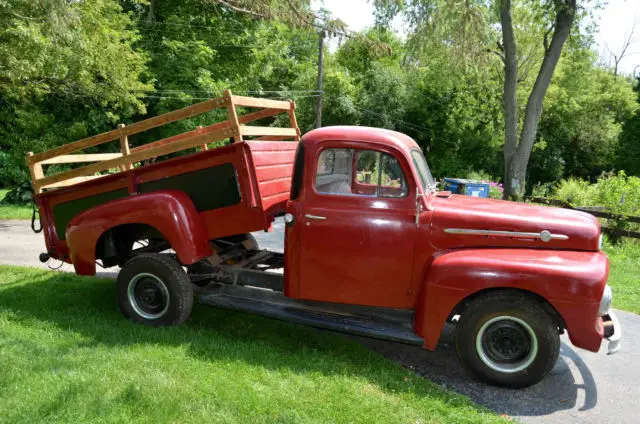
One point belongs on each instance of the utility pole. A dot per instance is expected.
(320, 66)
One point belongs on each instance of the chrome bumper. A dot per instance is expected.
(612, 332)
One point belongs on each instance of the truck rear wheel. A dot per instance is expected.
(508, 340)
(153, 289)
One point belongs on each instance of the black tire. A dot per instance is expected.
(153, 289)
(507, 339)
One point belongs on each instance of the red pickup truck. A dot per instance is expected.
(371, 247)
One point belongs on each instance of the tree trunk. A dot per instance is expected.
(516, 166)
(509, 94)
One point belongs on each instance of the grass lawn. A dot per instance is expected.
(69, 356)
(624, 277)
(12, 211)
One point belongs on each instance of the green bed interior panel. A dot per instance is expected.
(209, 188)
(64, 212)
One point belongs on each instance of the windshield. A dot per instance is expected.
(428, 184)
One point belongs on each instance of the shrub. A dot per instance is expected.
(20, 195)
(617, 194)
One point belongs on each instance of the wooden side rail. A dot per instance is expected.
(235, 127)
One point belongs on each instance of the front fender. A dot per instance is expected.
(571, 281)
(171, 212)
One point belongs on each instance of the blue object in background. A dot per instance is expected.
(468, 187)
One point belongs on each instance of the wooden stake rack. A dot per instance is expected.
(235, 127)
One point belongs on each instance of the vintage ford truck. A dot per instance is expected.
(371, 247)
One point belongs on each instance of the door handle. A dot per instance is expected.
(316, 217)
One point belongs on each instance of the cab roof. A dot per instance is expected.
(356, 133)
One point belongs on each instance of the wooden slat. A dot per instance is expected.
(292, 119)
(176, 115)
(273, 131)
(210, 128)
(261, 103)
(35, 169)
(186, 143)
(273, 138)
(73, 181)
(156, 121)
(204, 130)
(254, 116)
(94, 157)
(124, 147)
(234, 123)
(75, 146)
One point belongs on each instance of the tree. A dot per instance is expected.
(517, 150)
(467, 30)
(628, 41)
(67, 70)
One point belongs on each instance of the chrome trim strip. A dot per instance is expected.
(315, 217)
(544, 235)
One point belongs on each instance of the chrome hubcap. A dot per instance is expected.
(506, 344)
(148, 296)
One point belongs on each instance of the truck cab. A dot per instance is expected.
(354, 196)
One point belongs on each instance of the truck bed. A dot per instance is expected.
(237, 188)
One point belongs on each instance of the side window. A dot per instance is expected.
(392, 182)
(333, 173)
(359, 173)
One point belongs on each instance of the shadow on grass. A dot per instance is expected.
(88, 306)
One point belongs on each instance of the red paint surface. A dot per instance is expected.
(174, 216)
(261, 199)
(572, 282)
(368, 250)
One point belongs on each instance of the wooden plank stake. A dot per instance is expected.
(258, 131)
(35, 169)
(233, 116)
(169, 146)
(292, 119)
(199, 131)
(124, 147)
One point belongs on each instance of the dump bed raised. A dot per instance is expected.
(235, 188)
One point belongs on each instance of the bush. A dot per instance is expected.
(575, 191)
(20, 195)
(617, 194)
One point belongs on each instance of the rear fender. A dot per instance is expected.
(171, 212)
(571, 282)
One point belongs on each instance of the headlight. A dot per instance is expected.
(600, 240)
(605, 303)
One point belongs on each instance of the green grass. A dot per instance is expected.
(13, 211)
(624, 277)
(68, 355)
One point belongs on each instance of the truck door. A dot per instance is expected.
(358, 229)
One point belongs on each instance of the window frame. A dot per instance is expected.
(360, 146)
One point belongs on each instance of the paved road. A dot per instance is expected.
(583, 387)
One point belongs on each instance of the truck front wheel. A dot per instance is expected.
(507, 339)
(153, 289)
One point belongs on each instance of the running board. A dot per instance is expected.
(379, 323)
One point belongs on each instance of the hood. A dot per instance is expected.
(465, 221)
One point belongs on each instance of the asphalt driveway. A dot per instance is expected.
(583, 387)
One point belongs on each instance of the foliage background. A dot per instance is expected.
(73, 69)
